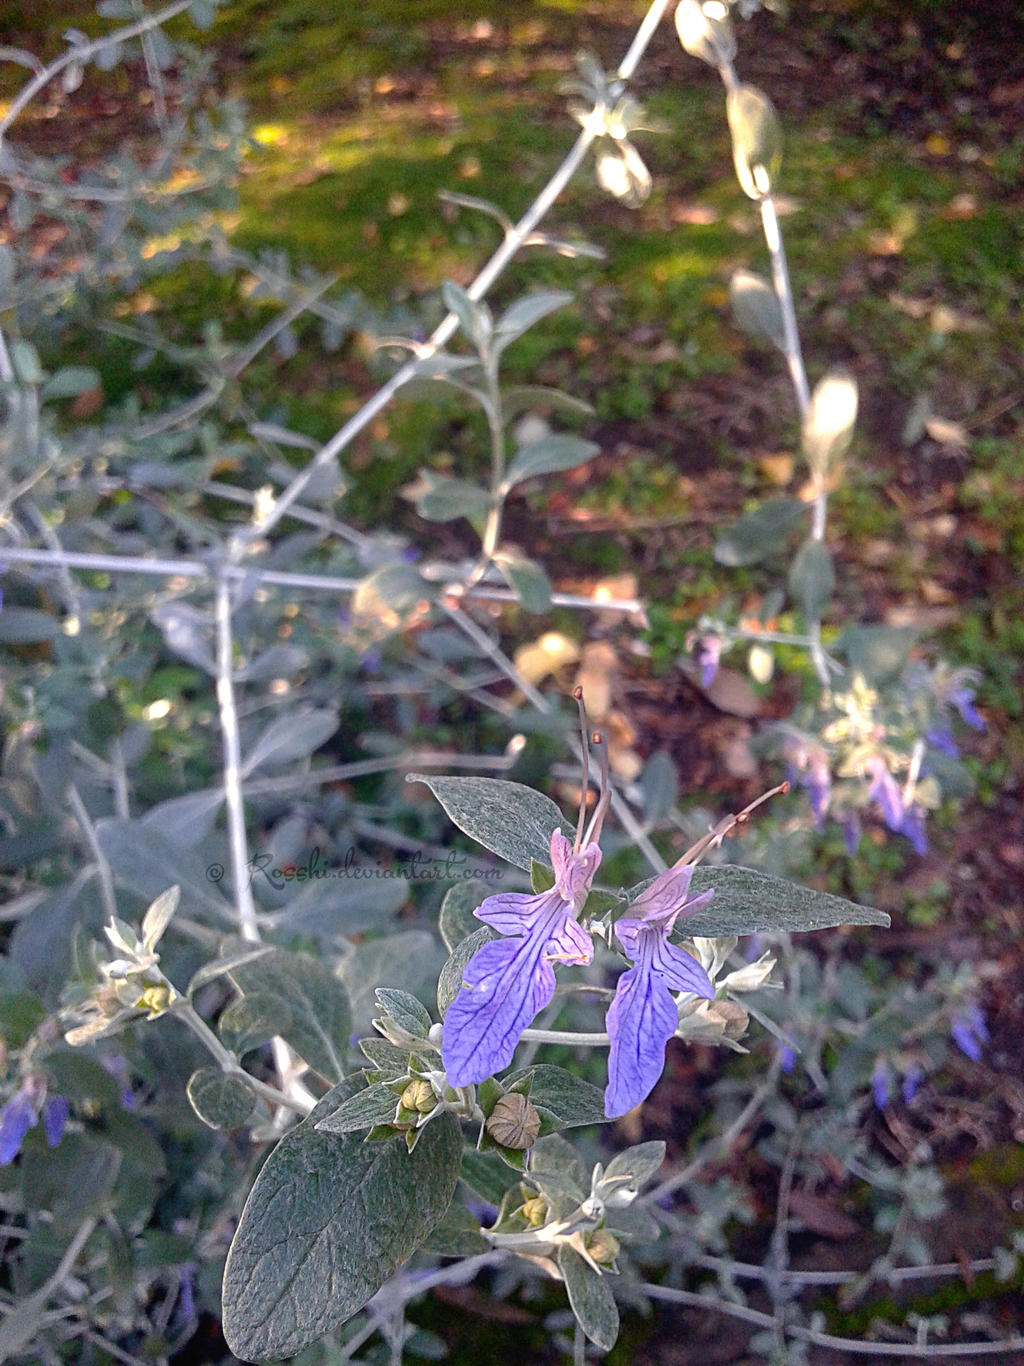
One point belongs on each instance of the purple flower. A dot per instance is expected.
(644, 1016)
(969, 1030)
(787, 1057)
(809, 766)
(913, 827)
(881, 1082)
(963, 700)
(17, 1117)
(912, 1079)
(709, 652)
(942, 741)
(509, 980)
(55, 1118)
(851, 831)
(885, 790)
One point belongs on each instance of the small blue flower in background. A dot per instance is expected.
(963, 700)
(709, 652)
(644, 1015)
(787, 1058)
(22, 1113)
(17, 1117)
(912, 1079)
(55, 1118)
(117, 1065)
(809, 766)
(881, 1084)
(904, 820)
(942, 741)
(508, 981)
(970, 1033)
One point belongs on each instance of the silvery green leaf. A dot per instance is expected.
(590, 1298)
(456, 921)
(541, 396)
(147, 861)
(186, 631)
(279, 661)
(521, 316)
(440, 498)
(829, 421)
(328, 1221)
(292, 736)
(710, 39)
(748, 902)
(27, 626)
(640, 1163)
(25, 359)
(393, 588)
(402, 1007)
(440, 364)
(8, 268)
(70, 381)
(234, 953)
(812, 579)
(877, 653)
(756, 140)
(220, 1100)
(410, 959)
(186, 820)
(527, 580)
(759, 534)
(659, 783)
(159, 916)
(376, 1105)
(107, 56)
(548, 455)
(756, 307)
(336, 906)
(457, 1235)
(449, 981)
(570, 1099)
(511, 820)
(298, 997)
(473, 314)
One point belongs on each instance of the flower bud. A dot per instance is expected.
(514, 1122)
(535, 1211)
(603, 1247)
(420, 1096)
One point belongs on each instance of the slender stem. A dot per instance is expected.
(327, 583)
(784, 292)
(511, 244)
(232, 763)
(718, 1146)
(566, 1036)
(227, 1061)
(81, 54)
(102, 866)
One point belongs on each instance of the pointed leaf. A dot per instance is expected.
(548, 455)
(159, 916)
(292, 736)
(521, 316)
(305, 1003)
(760, 534)
(220, 1100)
(328, 1221)
(511, 820)
(878, 653)
(748, 902)
(590, 1298)
(812, 579)
(188, 819)
(376, 1105)
(143, 859)
(473, 314)
(439, 498)
(527, 580)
